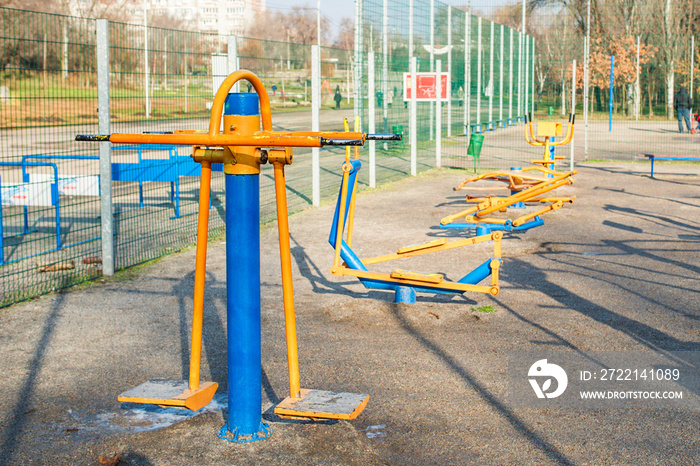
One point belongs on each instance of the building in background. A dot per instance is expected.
(226, 17)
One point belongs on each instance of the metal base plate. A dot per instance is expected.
(172, 393)
(319, 404)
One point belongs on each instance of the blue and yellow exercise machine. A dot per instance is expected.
(526, 185)
(242, 148)
(405, 284)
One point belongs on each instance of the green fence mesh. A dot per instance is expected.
(165, 79)
(482, 58)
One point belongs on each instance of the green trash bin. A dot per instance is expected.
(474, 149)
(550, 111)
(398, 129)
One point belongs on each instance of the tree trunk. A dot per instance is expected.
(598, 101)
(669, 92)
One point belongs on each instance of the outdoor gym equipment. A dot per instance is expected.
(404, 283)
(242, 148)
(548, 130)
(518, 178)
(476, 216)
(525, 185)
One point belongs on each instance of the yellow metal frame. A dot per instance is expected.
(489, 205)
(241, 148)
(549, 130)
(400, 277)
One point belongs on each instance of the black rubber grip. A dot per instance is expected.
(384, 137)
(92, 137)
(341, 142)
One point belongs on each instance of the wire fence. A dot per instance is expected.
(165, 79)
(489, 68)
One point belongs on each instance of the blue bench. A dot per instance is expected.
(164, 170)
(651, 157)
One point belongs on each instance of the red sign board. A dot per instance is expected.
(426, 83)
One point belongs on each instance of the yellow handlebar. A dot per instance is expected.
(533, 141)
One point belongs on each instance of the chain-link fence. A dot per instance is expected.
(160, 80)
(164, 79)
(487, 65)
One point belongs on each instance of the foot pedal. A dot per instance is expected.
(171, 393)
(419, 277)
(417, 247)
(319, 404)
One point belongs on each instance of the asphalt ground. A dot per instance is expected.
(615, 271)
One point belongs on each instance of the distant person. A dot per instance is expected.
(338, 98)
(682, 104)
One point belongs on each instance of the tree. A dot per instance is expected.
(346, 34)
(624, 49)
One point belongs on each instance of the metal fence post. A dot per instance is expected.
(413, 118)
(438, 114)
(449, 69)
(385, 67)
(526, 90)
(372, 120)
(573, 109)
(232, 64)
(491, 84)
(467, 72)
(357, 85)
(500, 80)
(510, 78)
(432, 62)
(520, 74)
(478, 71)
(315, 123)
(103, 118)
(532, 101)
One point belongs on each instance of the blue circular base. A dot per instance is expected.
(263, 432)
(405, 294)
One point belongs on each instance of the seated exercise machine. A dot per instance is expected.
(526, 185)
(405, 284)
(242, 148)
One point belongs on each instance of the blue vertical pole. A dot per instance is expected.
(612, 63)
(2, 233)
(243, 295)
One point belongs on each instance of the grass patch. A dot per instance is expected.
(487, 309)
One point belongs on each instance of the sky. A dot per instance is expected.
(335, 10)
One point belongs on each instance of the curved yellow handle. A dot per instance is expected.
(528, 129)
(217, 107)
(569, 136)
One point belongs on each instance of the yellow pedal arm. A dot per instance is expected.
(444, 285)
(526, 195)
(429, 244)
(419, 277)
(464, 213)
(520, 220)
(493, 221)
(462, 185)
(570, 200)
(495, 236)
